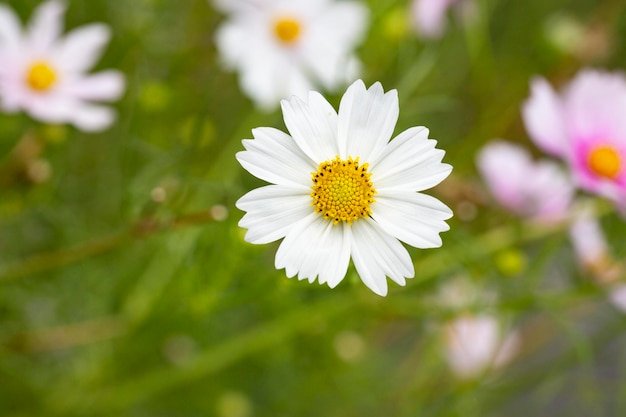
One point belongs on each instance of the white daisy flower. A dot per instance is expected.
(286, 47)
(341, 189)
(44, 73)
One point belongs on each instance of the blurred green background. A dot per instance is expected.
(126, 288)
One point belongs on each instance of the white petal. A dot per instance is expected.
(46, 24)
(268, 77)
(409, 162)
(232, 40)
(273, 156)
(346, 21)
(313, 125)
(291, 252)
(416, 219)
(50, 108)
(267, 73)
(367, 119)
(377, 254)
(10, 28)
(105, 85)
(331, 36)
(235, 6)
(315, 247)
(92, 118)
(543, 118)
(272, 211)
(82, 47)
(337, 261)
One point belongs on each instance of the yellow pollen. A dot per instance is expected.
(287, 30)
(604, 161)
(40, 76)
(342, 190)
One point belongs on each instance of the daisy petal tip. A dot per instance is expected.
(100, 31)
(446, 168)
(54, 6)
(438, 242)
(289, 272)
(380, 291)
(356, 85)
(292, 101)
(377, 286)
(392, 94)
(422, 132)
(377, 88)
(333, 282)
(314, 96)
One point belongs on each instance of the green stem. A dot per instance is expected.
(124, 394)
(62, 257)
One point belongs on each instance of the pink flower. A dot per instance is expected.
(429, 16)
(586, 127)
(44, 73)
(593, 252)
(537, 190)
(588, 238)
(617, 296)
(473, 344)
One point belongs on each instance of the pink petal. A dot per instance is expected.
(543, 117)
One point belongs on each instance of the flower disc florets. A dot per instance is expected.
(41, 76)
(604, 161)
(342, 190)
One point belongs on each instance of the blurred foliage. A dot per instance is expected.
(126, 288)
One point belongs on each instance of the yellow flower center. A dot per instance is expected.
(287, 30)
(342, 190)
(41, 76)
(605, 161)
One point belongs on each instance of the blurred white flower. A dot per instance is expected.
(429, 16)
(44, 73)
(341, 189)
(475, 344)
(287, 47)
(586, 127)
(539, 190)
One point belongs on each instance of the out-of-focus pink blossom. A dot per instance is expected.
(538, 190)
(474, 344)
(44, 73)
(585, 126)
(588, 238)
(593, 252)
(429, 16)
(617, 296)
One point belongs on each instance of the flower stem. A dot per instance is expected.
(61, 257)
